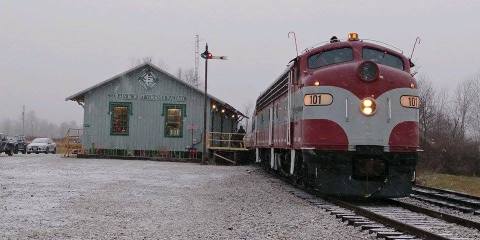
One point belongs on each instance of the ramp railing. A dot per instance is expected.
(226, 141)
(72, 142)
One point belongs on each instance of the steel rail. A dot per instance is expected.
(443, 203)
(460, 194)
(440, 215)
(388, 221)
(445, 198)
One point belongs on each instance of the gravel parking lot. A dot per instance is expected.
(49, 197)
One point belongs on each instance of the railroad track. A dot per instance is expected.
(392, 219)
(446, 198)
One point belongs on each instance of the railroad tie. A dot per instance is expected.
(389, 233)
(372, 226)
(400, 237)
(345, 215)
(339, 211)
(361, 223)
(352, 220)
(383, 229)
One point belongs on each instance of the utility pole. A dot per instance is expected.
(23, 120)
(206, 55)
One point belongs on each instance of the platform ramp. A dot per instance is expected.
(72, 143)
(226, 147)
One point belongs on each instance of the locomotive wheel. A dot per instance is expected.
(263, 160)
(305, 178)
(299, 171)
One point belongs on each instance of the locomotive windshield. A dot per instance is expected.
(330, 57)
(382, 57)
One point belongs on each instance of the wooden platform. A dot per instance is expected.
(226, 147)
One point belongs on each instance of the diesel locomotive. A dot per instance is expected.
(342, 119)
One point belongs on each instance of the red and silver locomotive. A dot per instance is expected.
(343, 118)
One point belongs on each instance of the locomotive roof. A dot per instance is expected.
(353, 44)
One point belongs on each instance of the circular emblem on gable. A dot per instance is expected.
(148, 78)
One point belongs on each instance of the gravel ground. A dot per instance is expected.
(49, 197)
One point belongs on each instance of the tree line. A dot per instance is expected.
(449, 124)
(33, 127)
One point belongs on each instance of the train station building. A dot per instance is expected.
(147, 112)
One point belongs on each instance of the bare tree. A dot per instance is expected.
(464, 99)
(149, 59)
(247, 110)
(162, 65)
(474, 118)
(180, 73)
(188, 76)
(450, 127)
(35, 127)
(427, 108)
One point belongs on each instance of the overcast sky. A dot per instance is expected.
(52, 49)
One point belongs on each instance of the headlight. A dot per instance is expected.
(368, 71)
(368, 106)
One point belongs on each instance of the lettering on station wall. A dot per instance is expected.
(147, 97)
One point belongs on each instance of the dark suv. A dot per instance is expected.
(20, 144)
(7, 146)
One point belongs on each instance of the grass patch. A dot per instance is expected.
(469, 185)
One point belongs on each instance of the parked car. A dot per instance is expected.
(6, 145)
(42, 145)
(20, 144)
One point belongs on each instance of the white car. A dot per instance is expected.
(44, 145)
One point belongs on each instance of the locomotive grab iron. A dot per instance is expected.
(343, 119)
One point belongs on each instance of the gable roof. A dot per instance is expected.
(78, 97)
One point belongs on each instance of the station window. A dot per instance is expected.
(174, 114)
(119, 116)
(330, 57)
(382, 57)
